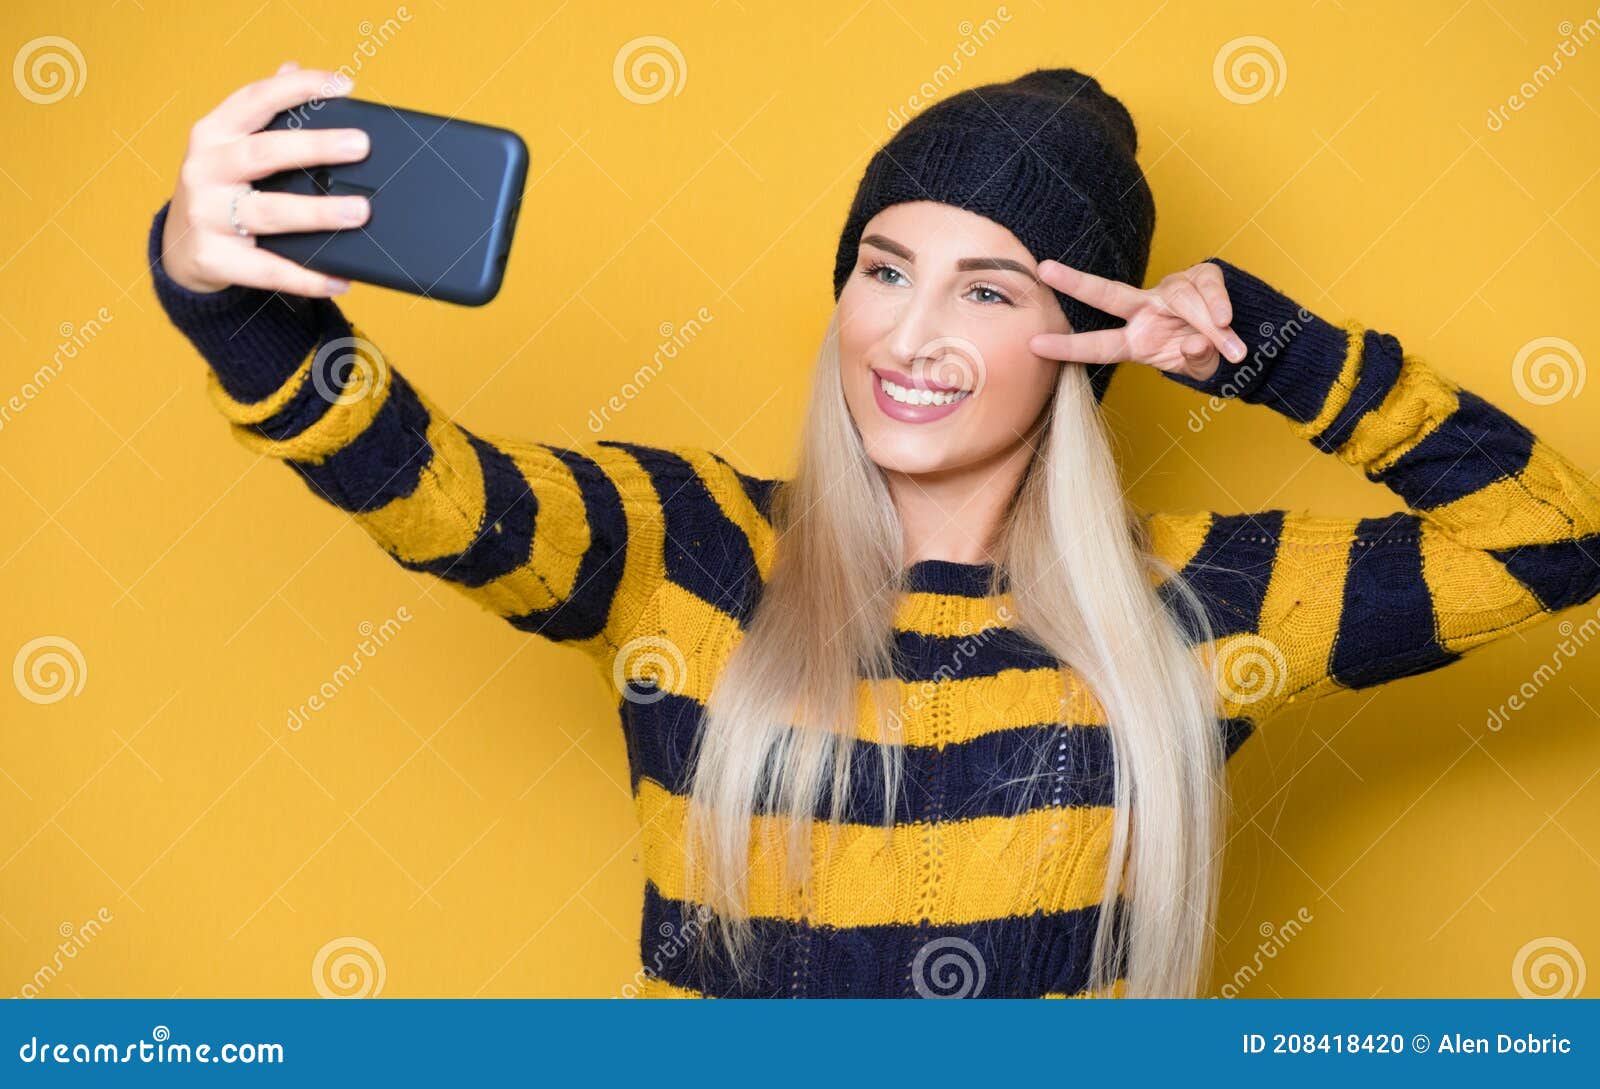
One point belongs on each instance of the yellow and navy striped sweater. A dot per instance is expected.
(637, 555)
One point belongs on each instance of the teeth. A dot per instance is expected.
(921, 396)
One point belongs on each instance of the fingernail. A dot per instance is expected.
(354, 142)
(1236, 349)
(340, 84)
(337, 287)
(353, 209)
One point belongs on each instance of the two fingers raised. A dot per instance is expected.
(1197, 297)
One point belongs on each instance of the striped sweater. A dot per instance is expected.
(649, 560)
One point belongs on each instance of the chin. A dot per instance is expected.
(910, 454)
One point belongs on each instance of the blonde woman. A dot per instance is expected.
(940, 714)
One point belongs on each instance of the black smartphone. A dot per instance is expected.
(444, 194)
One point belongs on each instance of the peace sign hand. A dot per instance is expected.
(1180, 326)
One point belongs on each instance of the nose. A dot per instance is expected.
(918, 324)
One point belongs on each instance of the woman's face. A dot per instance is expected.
(934, 324)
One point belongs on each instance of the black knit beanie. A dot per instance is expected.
(1048, 155)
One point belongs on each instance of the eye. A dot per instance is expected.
(875, 267)
(996, 295)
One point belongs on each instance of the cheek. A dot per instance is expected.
(1016, 388)
(859, 323)
(857, 336)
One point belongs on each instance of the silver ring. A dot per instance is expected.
(233, 211)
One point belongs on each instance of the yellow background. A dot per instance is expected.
(463, 804)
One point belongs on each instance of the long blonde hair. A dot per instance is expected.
(780, 724)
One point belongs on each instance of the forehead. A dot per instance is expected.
(944, 231)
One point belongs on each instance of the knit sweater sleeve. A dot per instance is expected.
(1499, 532)
(569, 543)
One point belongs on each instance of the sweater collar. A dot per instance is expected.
(949, 577)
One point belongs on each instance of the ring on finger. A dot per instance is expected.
(233, 211)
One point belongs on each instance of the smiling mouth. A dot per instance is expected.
(910, 396)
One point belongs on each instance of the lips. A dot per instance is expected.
(913, 413)
(914, 381)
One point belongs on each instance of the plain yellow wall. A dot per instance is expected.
(462, 805)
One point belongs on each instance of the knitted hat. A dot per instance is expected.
(1048, 155)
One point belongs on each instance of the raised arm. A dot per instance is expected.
(569, 543)
(1500, 530)
(566, 543)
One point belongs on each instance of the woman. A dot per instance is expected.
(942, 713)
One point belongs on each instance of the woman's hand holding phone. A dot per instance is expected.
(227, 151)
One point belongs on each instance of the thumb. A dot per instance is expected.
(1195, 346)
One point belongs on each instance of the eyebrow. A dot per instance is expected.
(965, 264)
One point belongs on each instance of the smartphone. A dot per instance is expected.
(444, 193)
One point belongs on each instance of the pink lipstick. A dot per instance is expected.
(914, 387)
